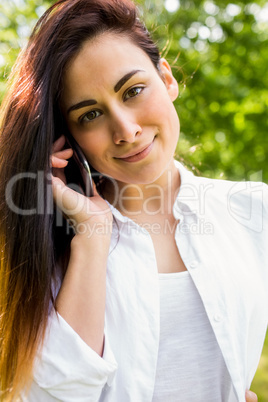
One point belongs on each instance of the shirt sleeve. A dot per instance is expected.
(68, 369)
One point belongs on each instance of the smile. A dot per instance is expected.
(137, 156)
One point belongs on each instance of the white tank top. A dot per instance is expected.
(190, 363)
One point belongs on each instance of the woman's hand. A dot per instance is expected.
(81, 298)
(85, 213)
(251, 396)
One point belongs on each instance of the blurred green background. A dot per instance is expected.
(219, 54)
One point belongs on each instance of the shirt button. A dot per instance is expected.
(217, 317)
(193, 264)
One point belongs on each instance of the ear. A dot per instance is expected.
(168, 79)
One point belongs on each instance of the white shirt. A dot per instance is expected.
(190, 363)
(222, 238)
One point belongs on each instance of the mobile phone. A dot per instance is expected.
(85, 181)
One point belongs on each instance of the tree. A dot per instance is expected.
(220, 56)
(219, 52)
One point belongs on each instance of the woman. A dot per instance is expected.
(141, 293)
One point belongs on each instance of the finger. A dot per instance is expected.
(72, 204)
(64, 154)
(251, 396)
(58, 159)
(58, 144)
(56, 172)
(58, 163)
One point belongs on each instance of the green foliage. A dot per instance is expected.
(219, 54)
(17, 18)
(260, 382)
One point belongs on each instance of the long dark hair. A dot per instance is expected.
(30, 123)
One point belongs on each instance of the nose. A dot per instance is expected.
(125, 128)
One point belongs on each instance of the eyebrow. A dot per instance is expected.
(124, 79)
(117, 87)
(79, 105)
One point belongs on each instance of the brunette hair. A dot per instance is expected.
(31, 122)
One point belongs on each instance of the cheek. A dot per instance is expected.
(94, 146)
(159, 109)
(91, 142)
(94, 151)
(175, 121)
(153, 110)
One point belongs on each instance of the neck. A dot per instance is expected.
(146, 199)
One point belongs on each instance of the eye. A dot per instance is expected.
(132, 92)
(89, 116)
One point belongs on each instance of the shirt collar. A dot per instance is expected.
(188, 198)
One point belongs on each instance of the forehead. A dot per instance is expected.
(104, 60)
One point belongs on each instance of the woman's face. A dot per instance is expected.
(120, 110)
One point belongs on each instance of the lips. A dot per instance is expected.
(138, 155)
